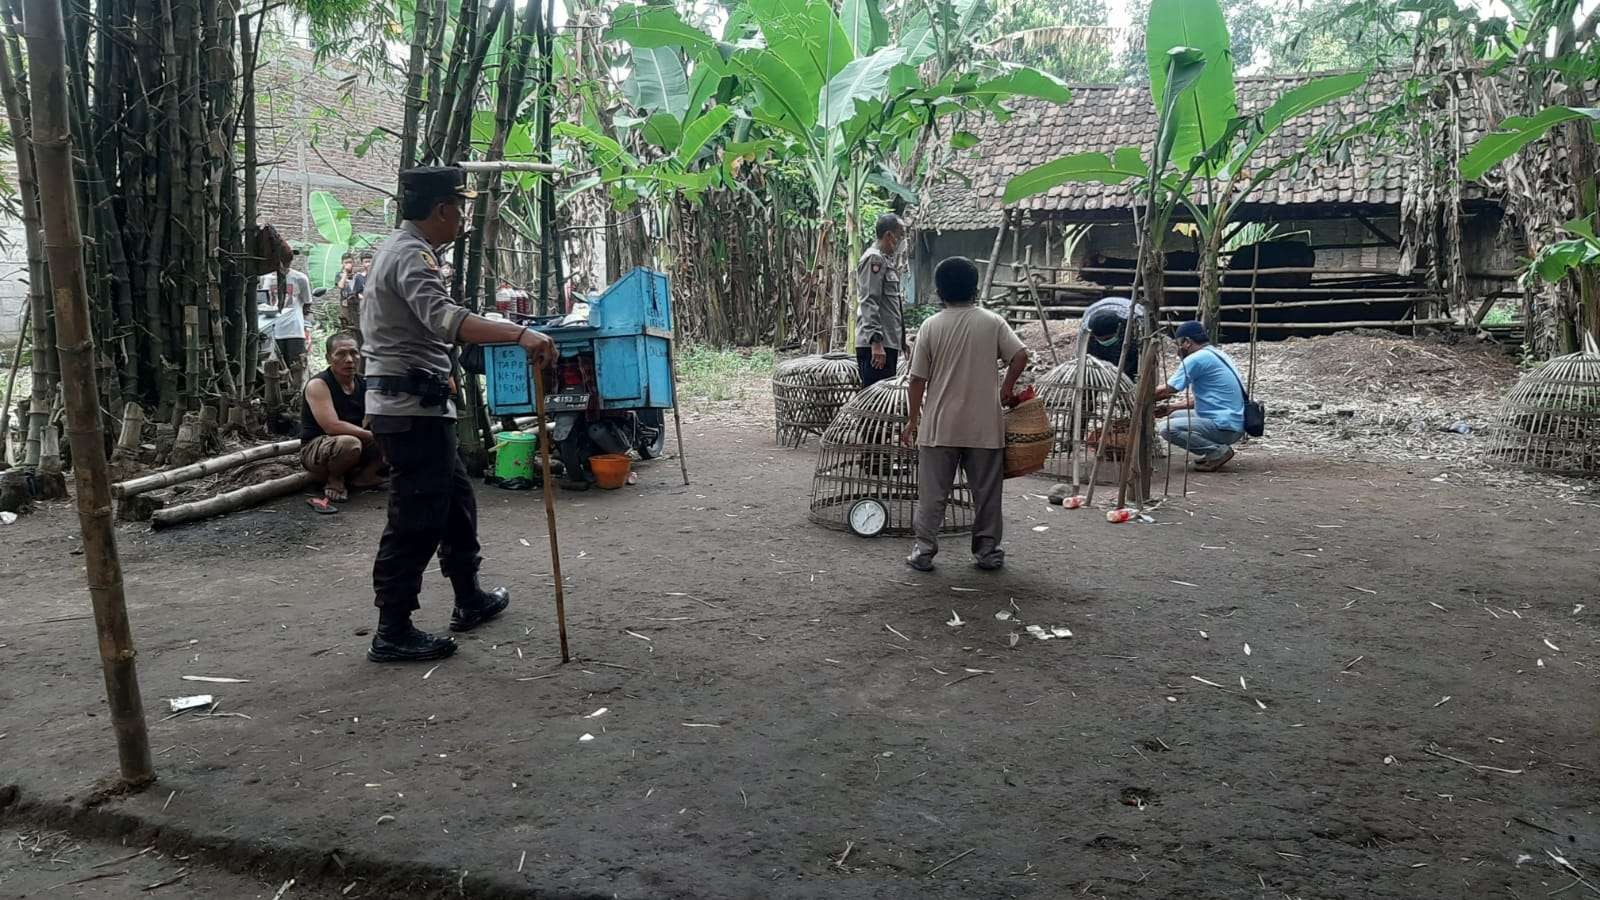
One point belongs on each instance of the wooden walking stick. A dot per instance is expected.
(550, 511)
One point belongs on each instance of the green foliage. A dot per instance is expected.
(711, 373)
(1203, 115)
(1101, 168)
(1517, 132)
(659, 82)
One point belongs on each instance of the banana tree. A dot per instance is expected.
(332, 220)
(1207, 161)
(829, 91)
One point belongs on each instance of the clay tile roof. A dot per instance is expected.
(966, 195)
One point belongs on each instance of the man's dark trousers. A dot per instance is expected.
(431, 508)
(870, 374)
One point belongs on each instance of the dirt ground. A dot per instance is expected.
(1310, 678)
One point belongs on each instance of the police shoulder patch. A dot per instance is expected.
(428, 259)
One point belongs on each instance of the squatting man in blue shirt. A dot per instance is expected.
(1212, 421)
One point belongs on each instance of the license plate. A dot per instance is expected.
(567, 401)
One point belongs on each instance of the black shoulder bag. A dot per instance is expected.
(1255, 414)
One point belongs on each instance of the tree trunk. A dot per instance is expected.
(44, 361)
(64, 247)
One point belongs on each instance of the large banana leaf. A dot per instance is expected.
(652, 27)
(664, 130)
(1204, 114)
(331, 218)
(1020, 81)
(658, 82)
(1517, 132)
(1185, 66)
(781, 94)
(323, 263)
(703, 83)
(864, 79)
(1294, 103)
(863, 21)
(807, 35)
(700, 132)
(1114, 168)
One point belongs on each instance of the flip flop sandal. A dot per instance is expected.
(322, 506)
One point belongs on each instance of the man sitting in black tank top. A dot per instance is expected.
(334, 446)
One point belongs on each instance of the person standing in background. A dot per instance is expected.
(879, 312)
(956, 388)
(290, 291)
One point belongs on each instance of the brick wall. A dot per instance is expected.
(311, 119)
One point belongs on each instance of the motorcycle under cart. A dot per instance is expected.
(612, 382)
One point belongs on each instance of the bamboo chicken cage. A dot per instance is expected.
(1079, 414)
(807, 393)
(862, 459)
(1550, 422)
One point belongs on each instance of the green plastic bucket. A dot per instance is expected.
(513, 455)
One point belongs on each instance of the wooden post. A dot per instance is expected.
(550, 513)
(994, 256)
(677, 420)
(1038, 305)
(1077, 413)
(63, 239)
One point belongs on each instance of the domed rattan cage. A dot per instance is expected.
(807, 393)
(1550, 422)
(1058, 388)
(862, 458)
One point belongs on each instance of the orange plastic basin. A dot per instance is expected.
(610, 470)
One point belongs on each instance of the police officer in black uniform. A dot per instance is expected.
(411, 328)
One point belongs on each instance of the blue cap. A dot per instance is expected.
(1192, 330)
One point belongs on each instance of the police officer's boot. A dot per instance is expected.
(397, 640)
(474, 605)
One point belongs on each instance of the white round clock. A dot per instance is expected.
(868, 517)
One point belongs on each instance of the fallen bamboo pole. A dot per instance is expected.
(231, 501)
(158, 480)
(550, 516)
(63, 242)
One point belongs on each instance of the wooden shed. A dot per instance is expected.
(1335, 257)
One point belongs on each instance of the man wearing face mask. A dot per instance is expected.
(411, 328)
(1105, 324)
(878, 315)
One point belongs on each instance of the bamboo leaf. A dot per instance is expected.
(1517, 132)
(331, 218)
(1203, 115)
(963, 140)
(1115, 168)
(864, 79)
(608, 151)
(658, 82)
(701, 131)
(653, 27)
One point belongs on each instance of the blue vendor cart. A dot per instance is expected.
(613, 381)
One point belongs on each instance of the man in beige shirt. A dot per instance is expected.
(956, 417)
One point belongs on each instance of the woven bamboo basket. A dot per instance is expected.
(807, 393)
(1550, 422)
(1058, 389)
(862, 458)
(1029, 438)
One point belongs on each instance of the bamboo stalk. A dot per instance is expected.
(64, 247)
(231, 501)
(158, 480)
(677, 419)
(11, 382)
(550, 513)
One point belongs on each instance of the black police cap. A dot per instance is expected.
(430, 184)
